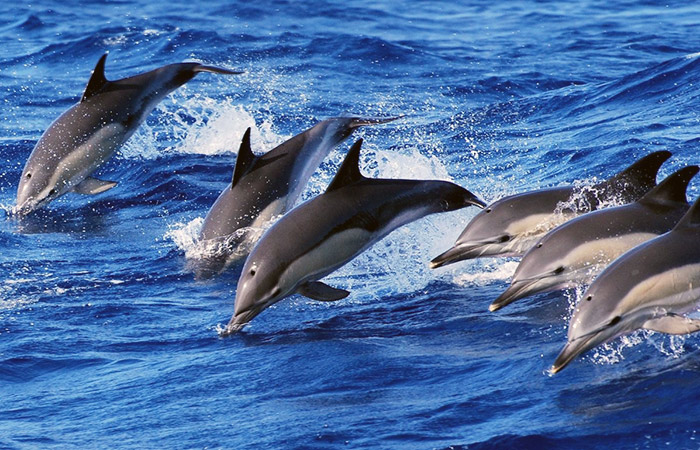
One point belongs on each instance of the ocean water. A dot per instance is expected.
(107, 340)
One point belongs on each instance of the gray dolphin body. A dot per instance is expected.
(648, 287)
(576, 251)
(87, 135)
(323, 234)
(266, 186)
(512, 225)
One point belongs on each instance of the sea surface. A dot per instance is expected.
(108, 341)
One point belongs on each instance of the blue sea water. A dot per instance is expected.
(106, 339)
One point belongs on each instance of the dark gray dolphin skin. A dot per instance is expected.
(266, 186)
(648, 287)
(323, 234)
(576, 251)
(88, 134)
(512, 225)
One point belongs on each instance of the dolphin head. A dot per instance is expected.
(597, 319)
(453, 197)
(37, 187)
(262, 283)
(486, 234)
(542, 269)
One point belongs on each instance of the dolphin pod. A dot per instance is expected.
(510, 226)
(263, 187)
(331, 229)
(577, 250)
(85, 136)
(649, 287)
(653, 279)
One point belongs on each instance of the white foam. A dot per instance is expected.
(196, 124)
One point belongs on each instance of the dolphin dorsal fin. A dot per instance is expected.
(97, 80)
(691, 219)
(642, 173)
(349, 171)
(244, 160)
(672, 188)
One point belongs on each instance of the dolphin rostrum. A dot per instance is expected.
(576, 251)
(323, 234)
(266, 186)
(510, 226)
(85, 136)
(648, 287)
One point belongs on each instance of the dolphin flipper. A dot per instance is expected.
(322, 292)
(91, 186)
(673, 324)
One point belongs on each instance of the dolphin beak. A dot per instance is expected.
(571, 350)
(516, 291)
(474, 201)
(458, 253)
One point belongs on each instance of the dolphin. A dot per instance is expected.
(578, 250)
(323, 234)
(85, 136)
(510, 226)
(648, 287)
(263, 187)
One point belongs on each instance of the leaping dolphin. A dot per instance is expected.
(83, 138)
(266, 186)
(510, 226)
(576, 251)
(648, 287)
(323, 234)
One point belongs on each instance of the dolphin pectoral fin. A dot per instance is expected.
(673, 324)
(322, 292)
(91, 186)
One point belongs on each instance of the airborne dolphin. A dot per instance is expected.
(647, 287)
(323, 234)
(510, 226)
(83, 138)
(579, 249)
(266, 186)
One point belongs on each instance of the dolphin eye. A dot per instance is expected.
(539, 245)
(29, 175)
(252, 272)
(52, 191)
(589, 298)
(614, 321)
(559, 270)
(488, 210)
(504, 238)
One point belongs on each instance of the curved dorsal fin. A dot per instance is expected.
(97, 80)
(691, 219)
(349, 171)
(244, 160)
(642, 173)
(672, 188)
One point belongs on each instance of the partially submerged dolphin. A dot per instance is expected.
(576, 251)
(510, 226)
(88, 134)
(266, 186)
(323, 234)
(648, 287)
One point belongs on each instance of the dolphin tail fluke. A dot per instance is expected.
(357, 122)
(214, 69)
(322, 292)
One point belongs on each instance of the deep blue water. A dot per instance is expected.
(106, 339)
